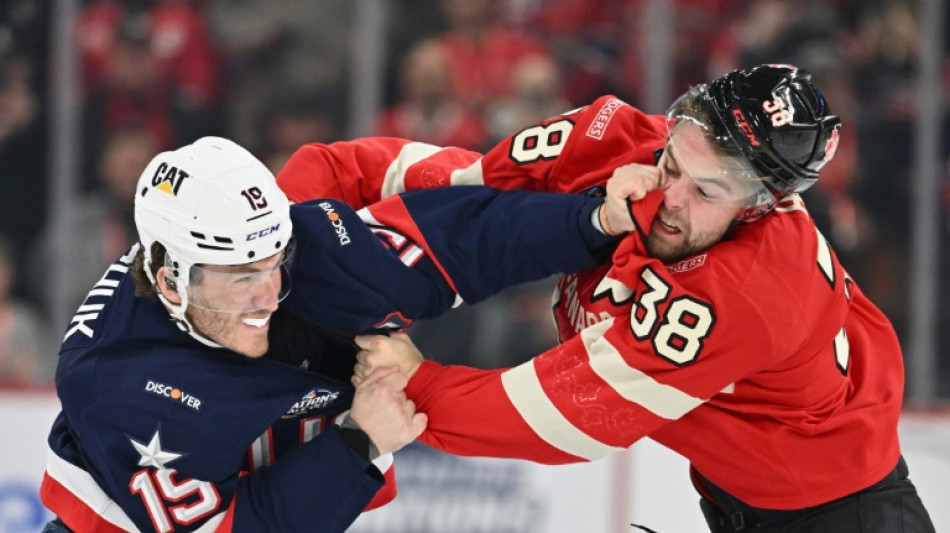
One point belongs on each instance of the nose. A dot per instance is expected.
(674, 191)
(266, 294)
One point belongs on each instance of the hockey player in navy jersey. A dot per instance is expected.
(190, 403)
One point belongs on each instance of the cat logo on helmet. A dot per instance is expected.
(169, 179)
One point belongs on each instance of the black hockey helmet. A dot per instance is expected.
(774, 117)
(780, 121)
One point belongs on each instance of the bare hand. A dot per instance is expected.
(631, 182)
(377, 351)
(381, 409)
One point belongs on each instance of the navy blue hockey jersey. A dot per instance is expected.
(161, 433)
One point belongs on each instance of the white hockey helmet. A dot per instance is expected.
(209, 203)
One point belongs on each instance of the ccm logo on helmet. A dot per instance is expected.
(745, 127)
(337, 224)
(169, 179)
(262, 233)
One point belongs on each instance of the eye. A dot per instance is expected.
(243, 280)
(702, 193)
(669, 170)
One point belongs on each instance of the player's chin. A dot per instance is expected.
(665, 249)
(252, 346)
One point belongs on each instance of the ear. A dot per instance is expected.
(166, 284)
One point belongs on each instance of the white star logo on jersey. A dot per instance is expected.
(152, 453)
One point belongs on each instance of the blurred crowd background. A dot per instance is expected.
(156, 74)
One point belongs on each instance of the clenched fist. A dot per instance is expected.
(378, 351)
(381, 409)
(630, 182)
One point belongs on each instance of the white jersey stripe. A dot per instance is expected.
(81, 485)
(605, 360)
(470, 175)
(394, 182)
(525, 392)
(367, 217)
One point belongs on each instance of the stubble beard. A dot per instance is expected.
(670, 253)
(666, 251)
(221, 328)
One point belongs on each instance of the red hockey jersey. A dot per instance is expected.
(758, 360)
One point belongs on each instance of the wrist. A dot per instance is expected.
(602, 221)
(357, 439)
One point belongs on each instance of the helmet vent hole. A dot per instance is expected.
(220, 240)
(144, 190)
(277, 245)
(250, 255)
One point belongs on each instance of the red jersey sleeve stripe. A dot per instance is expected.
(527, 395)
(470, 175)
(632, 384)
(394, 181)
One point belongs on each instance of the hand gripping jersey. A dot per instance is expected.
(160, 432)
(759, 360)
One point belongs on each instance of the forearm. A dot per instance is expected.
(487, 240)
(470, 414)
(363, 171)
(322, 485)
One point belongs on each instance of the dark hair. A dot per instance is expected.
(143, 285)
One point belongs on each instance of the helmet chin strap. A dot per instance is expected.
(177, 311)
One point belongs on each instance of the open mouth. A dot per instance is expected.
(256, 322)
(667, 226)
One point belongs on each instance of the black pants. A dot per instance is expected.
(889, 506)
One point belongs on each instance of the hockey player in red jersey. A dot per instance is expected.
(724, 328)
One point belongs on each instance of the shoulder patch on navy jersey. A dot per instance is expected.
(336, 222)
(315, 400)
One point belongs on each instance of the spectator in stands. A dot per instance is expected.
(269, 51)
(536, 93)
(150, 65)
(695, 24)
(25, 358)
(22, 160)
(482, 52)
(584, 36)
(106, 215)
(295, 118)
(428, 110)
